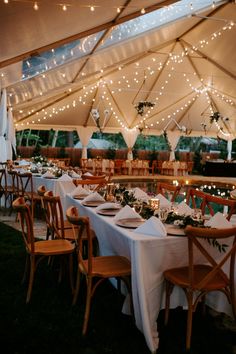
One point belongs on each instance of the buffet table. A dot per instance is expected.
(149, 256)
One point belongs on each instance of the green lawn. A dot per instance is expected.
(49, 324)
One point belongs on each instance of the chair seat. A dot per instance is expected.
(109, 266)
(180, 276)
(53, 247)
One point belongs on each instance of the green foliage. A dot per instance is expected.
(111, 154)
(182, 220)
(62, 152)
(215, 117)
(197, 167)
(141, 105)
(37, 150)
(135, 153)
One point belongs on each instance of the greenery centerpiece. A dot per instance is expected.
(40, 159)
(141, 105)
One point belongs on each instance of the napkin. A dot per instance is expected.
(140, 194)
(184, 209)
(64, 177)
(219, 221)
(153, 227)
(108, 206)
(94, 197)
(163, 201)
(79, 190)
(75, 175)
(48, 174)
(88, 174)
(127, 213)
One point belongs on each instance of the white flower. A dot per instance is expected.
(178, 222)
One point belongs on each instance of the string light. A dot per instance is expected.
(143, 11)
(64, 7)
(6, 1)
(92, 8)
(36, 6)
(118, 10)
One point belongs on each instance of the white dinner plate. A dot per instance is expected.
(93, 203)
(174, 230)
(130, 223)
(108, 212)
(80, 196)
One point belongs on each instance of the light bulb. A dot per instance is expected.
(36, 7)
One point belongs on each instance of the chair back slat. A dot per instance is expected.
(23, 210)
(197, 240)
(165, 189)
(83, 225)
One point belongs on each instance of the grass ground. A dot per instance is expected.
(49, 324)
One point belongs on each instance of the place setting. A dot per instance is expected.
(127, 217)
(94, 199)
(80, 193)
(108, 209)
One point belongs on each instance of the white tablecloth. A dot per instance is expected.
(59, 188)
(149, 256)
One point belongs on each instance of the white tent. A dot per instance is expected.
(60, 61)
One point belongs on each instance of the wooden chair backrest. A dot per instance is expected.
(96, 182)
(24, 212)
(3, 181)
(197, 239)
(83, 228)
(196, 199)
(25, 184)
(54, 214)
(165, 188)
(214, 204)
(14, 182)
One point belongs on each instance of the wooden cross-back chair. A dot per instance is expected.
(200, 279)
(224, 205)
(3, 184)
(36, 250)
(11, 188)
(170, 191)
(96, 269)
(93, 183)
(58, 226)
(26, 189)
(196, 199)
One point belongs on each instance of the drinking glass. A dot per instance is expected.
(138, 205)
(163, 213)
(197, 214)
(119, 198)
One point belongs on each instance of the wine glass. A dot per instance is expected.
(138, 205)
(163, 213)
(197, 214)
(119, 198)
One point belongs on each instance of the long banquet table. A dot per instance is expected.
(149, 256)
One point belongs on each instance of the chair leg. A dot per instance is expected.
(189, 320)
(31, 278)
(71, 272)
(88, 305)
(77, 286)
(169, 289)
(26, 269)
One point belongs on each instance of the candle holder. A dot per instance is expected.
(154, 203)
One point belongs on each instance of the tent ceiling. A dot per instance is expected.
(152, 66)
